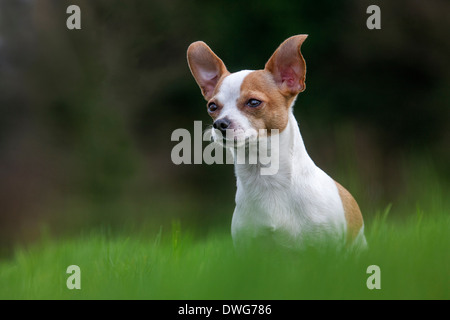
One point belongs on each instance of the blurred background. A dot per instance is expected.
(87, 115)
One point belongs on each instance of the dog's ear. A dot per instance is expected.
(206, 67)
(288, 66)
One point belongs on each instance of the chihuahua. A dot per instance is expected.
(300, 205)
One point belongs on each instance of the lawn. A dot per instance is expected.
(412, 254)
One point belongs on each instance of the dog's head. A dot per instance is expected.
(244, 102)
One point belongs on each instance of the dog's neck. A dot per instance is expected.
(293, 159)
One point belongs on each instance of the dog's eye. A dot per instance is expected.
(253, 103)
(212, 107)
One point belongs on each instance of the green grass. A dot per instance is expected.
(413, 255)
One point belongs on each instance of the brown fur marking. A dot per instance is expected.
(353, 214)
(206, 67)
(274, 112)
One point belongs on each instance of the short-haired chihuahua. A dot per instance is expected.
(300, 205)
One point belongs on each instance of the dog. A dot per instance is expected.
(299, 206)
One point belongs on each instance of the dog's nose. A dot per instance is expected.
(222, 125)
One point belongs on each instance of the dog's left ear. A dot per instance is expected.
(206, 67)
(288, 67)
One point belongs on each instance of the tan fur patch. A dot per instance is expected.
(353, 214)
(216, 91)
(273, 113)
(206, 67)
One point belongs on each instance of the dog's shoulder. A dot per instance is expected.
(352, 212)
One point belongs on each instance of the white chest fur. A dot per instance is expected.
(297, 207)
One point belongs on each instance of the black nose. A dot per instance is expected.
(222, 125)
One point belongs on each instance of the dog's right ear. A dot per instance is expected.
(288, 66)
(206, 67)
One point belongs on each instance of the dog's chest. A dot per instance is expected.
(288, 211)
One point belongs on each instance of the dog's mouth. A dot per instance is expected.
(233, 139)
(235, 142)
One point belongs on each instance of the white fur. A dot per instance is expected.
(298, 206)
(229, 92)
